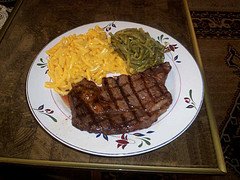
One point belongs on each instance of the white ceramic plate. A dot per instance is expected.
(184, 82)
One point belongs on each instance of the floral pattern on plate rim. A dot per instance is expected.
(47, 112)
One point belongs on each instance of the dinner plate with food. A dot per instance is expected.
(114, 88)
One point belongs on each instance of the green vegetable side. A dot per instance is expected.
(138, 48)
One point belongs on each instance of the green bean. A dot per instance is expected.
(137, 48)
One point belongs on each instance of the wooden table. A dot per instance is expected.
(31, 26)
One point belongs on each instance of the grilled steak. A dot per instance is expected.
(122, 104)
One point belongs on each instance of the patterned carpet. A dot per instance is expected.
(211, 24)
(218, 36)
(5, 10)
(225, 26)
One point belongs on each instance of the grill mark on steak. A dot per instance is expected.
(159, 81)
(148, 88)
(85, 110)
(123, 104)
(106, 87)
(136, 94)
(125, 97)
(132, 99)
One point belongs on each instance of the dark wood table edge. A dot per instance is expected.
(221, 169)
(10, 19)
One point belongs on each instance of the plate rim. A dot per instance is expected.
(109, 154)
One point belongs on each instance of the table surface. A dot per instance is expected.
(34, 24)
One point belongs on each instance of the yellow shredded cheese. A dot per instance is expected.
(82, 56)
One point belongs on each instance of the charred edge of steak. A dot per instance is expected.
(123, 104)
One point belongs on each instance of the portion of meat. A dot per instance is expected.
(122, 104)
